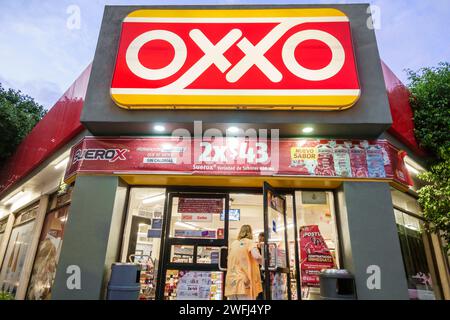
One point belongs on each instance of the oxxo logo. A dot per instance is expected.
(110, 155)
(290, 58)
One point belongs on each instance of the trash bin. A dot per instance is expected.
(124, 282)
(337, 284)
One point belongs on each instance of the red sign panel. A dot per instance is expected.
(314, 255)
(239, 156)
(200, 205)
(277, 58)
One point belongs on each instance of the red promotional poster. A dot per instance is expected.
(376, 159)
(314, 255)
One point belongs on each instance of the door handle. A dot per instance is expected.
(219, 263)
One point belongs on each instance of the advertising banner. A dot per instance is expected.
(314, 255)
(364, 159)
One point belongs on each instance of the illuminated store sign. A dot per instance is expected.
(260, 59)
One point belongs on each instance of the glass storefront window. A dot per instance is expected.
(417, 257)
(17, 249)
(197, 218)
(47, 255)
(143, 231)
(318, 242)
(405, 201)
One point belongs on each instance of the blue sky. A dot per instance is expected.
(42, 57)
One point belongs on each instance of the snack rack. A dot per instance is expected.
(147, 276)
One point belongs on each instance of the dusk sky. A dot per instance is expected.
(41, 56)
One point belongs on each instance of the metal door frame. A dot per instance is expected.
(267, 292)
(167, 241)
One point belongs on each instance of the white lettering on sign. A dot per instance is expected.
(156, 74)
(248, 154)
(335, 65)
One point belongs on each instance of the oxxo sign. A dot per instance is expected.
(260, 59)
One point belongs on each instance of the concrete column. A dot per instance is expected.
(369, 240)
(92, 237)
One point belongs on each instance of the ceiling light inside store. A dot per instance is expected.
(159, 128)
(62, 163)
(153, 199)
(307, 129)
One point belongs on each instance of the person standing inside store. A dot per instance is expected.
(260, 245)
(243, 280)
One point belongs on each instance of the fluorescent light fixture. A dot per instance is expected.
(153, 199)
(62, 163)
(307, 129)
(233, 129)
(411, 169)
(159, 128)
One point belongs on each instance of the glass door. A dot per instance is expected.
(194, 254)
(276, 249)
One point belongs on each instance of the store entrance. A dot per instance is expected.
(194, 249)
(201, 226)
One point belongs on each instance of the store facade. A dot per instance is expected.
(203, 119)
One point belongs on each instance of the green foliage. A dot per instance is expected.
(19, 114)
(6, 296)
(434, 198)
(430, 100)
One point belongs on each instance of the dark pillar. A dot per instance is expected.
(92, 236)
(369, 240)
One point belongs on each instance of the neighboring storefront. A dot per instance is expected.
(49, 247)
(207, 119)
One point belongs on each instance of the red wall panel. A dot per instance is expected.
(60, 124)
(402, 114)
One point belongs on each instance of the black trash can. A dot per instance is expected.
(124, 282)
(337, 284)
